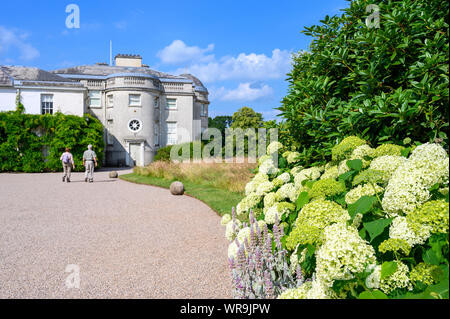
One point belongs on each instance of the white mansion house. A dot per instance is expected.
(141, 109)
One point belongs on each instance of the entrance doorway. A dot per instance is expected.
(136, 154)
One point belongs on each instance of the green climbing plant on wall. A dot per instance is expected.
(34, 143)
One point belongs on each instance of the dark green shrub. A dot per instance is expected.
(382, 84)
(163, 154)
(24, 138)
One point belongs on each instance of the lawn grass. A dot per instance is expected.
(219, 200)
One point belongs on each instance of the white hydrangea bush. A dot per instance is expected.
(371, 223)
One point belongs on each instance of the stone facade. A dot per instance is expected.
(141, 109)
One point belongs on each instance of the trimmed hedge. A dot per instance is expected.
(34, 143)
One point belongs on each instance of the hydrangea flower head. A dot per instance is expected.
(400, 229)
(371, 176)
(247, 203)
(287, 191)
(291, 157)
(274, 147)
(270, 200)
(312, 173)
(343, 167)
(297, 293)
(424, 273)
(343, 254)
(264, 188)
(388, 149)
(361, 152)
(434, 214)
(345, 148)
(277, 211)
(225, 219)
(330, 172)
(409, 185)
(387, 164)
(268, 167)
(367, 190)
(399, 279)
(282, 179)
(395, 245)
(312, 220)
(326, 187)
(230, 233)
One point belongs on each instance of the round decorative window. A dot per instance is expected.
(134, 125)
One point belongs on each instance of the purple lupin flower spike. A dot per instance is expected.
(241, 257)
(251, 217)
(258, 260)
(231, 263)
(268, 285)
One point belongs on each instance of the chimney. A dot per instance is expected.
(130, 60)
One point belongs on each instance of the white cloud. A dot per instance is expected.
(121, 25)
(178, 52)
(244, 92)
(243, 67)
(15, 40)
(271, 115)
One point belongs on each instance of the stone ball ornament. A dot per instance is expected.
(113, 174)
(177, 188)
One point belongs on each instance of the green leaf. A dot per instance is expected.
(388, 268)
(375, 294)
(362, 233)
(362, 205)
(356, 164)
(346, 176)
(292, 217)
(302, 200)
(405, 152)
(341, 200)
(376, 227)
(434, 187)
(309, 184)
(282, 162)
(430, 257)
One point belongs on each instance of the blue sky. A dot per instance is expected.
(240, 49)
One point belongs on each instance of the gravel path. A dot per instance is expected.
(128, 240)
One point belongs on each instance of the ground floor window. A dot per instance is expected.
(172, 133)
(46, 104)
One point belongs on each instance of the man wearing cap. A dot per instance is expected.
(89, 158)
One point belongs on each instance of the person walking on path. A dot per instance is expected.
(67, 163)
(89, 158)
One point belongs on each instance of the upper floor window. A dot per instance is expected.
(134, 100)
(110, 100)
(171, 104)
(156, 102)
(95, 99)
(204, 110)
(47, 104)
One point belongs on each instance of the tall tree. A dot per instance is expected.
(221, 123)
(246, 117)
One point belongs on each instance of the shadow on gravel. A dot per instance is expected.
(105, 181)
